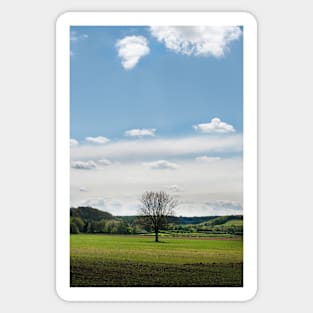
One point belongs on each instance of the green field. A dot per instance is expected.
(234, 223)
(117, 260)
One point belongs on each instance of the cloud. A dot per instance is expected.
(131, 49)
(215, 126)
(161, 165)
(142, 150)
(104, 162)
(210, 208)
(174, 188)
(98, 140)
(197, 40)
(222, 205)
(140, 132)
(129, 206)
(84, 165)
(207, 159)
(114, 206)
(75, 36)
(98, 203)
(202, 184)
(73, 142)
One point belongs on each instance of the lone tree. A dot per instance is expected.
(156, 208)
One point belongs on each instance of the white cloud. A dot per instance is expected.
(197, 40)
(75, 36)
(73, 142)
(207, 159)
(215, 126)
(202, 184)
(131, 49)
(84, 165)
(152, 148)
(174, 188)
(104, 162)
(161, 165)
(98, 140)
(140, 132)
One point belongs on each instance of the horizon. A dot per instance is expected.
(169, 215)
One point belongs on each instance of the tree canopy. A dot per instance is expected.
(156, 208)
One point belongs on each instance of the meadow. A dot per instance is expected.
(99, 260)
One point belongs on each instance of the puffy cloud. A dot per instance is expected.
(131, 49)
(215, 126)
(161, 165)
(197, 40)
(207, 159)
(140, 132)
(84, 165)
(98, 140)
(104, 162)
(73, 142)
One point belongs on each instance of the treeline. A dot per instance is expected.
(220, 220)
(77, 225)
(213, 225)
(187, 220)
(90, 220)
(200, 228)
(90, 214)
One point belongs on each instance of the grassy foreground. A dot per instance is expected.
(116, 260)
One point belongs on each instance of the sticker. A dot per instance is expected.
(156, 156)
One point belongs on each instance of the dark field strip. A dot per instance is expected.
(100, 273)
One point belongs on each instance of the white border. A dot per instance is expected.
(248, 291)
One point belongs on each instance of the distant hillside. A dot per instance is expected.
(173, 219)
(89, 214)
(225, 220)
(91, 220)
(207, 220)
(189, 219)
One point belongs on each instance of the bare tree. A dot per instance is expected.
(156, 208)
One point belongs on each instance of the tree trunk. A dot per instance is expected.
(156, 236)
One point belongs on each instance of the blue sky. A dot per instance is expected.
(157, 108)
(165, 90)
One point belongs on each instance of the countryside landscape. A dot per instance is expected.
(109, 250)
(156, 156)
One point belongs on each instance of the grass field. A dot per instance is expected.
(234, 223)
(117, 260)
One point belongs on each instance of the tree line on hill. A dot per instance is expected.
(91, 220)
